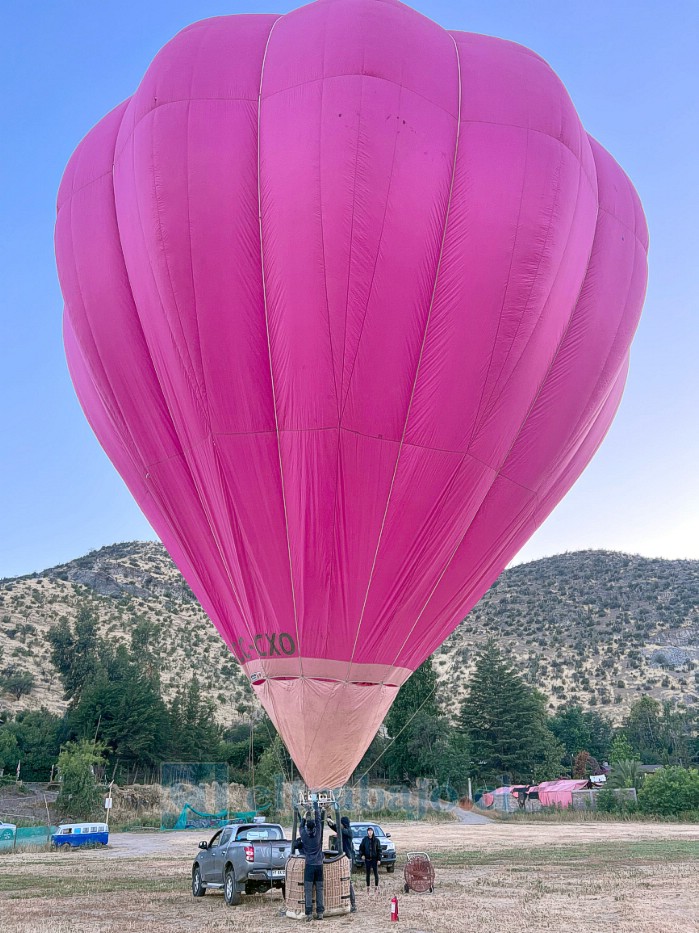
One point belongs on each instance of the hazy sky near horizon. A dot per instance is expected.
(631, 70)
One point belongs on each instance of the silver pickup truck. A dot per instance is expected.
(243, 858)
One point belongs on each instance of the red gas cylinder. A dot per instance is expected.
(394, 908)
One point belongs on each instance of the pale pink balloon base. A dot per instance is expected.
(339, 703)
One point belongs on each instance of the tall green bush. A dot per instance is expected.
(670, 791)
(80, 796)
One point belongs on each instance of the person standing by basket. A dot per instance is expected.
(312, 850)
(346, 837)
(370, 851)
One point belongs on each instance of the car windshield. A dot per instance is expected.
(359, 830)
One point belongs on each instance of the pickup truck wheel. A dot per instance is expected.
(390, 869)
(230, 892)
(198, 889)
(284, 893)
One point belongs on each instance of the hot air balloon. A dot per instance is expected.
(348, 304)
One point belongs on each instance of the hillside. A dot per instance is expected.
(596, 627)
(121, 584)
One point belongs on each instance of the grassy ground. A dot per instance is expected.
(499, 878)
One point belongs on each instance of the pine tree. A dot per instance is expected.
(9, 750)
(643, 729)
(75, 652)
(38, 737)
(417, 693)
(506, 723)
(196, 736)
(414, 712)
(582, 730)
(122, 706)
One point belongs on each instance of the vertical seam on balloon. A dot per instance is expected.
(549, 228)
(351, 244)
(428, 317)
(476, 419)
(207, 511)
(137, 316)
(128, 277)
(113, 410)
(546, 303)
(269, 686)
(344, 338)
(210, 514)
(269, 344)
(159, 236)
(224, 567)
(205, 399)
(124, 434)
(327, 309)
(144, 467)
(504, 459)
(585, 416)
(371, 283)
(322, 230)
(112, 406)
(356, 354)
(376, 262)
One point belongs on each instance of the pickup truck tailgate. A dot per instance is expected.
(272, 854)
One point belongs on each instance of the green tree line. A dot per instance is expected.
(115, 700)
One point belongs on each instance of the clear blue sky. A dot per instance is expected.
(631, 69)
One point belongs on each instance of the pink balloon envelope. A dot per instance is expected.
(348, 303)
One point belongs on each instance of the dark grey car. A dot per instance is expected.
(359, 831)
(243, 858)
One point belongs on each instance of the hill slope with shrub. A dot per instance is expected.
(594, 627)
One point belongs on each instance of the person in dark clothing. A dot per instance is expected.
(370, 850)
(349, 852)
(312, 850)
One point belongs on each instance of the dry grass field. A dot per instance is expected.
(499, 877)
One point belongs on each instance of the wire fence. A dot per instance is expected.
(25, 837)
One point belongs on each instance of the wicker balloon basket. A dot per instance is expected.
(336, 886)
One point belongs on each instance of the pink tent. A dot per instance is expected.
(560, 793)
